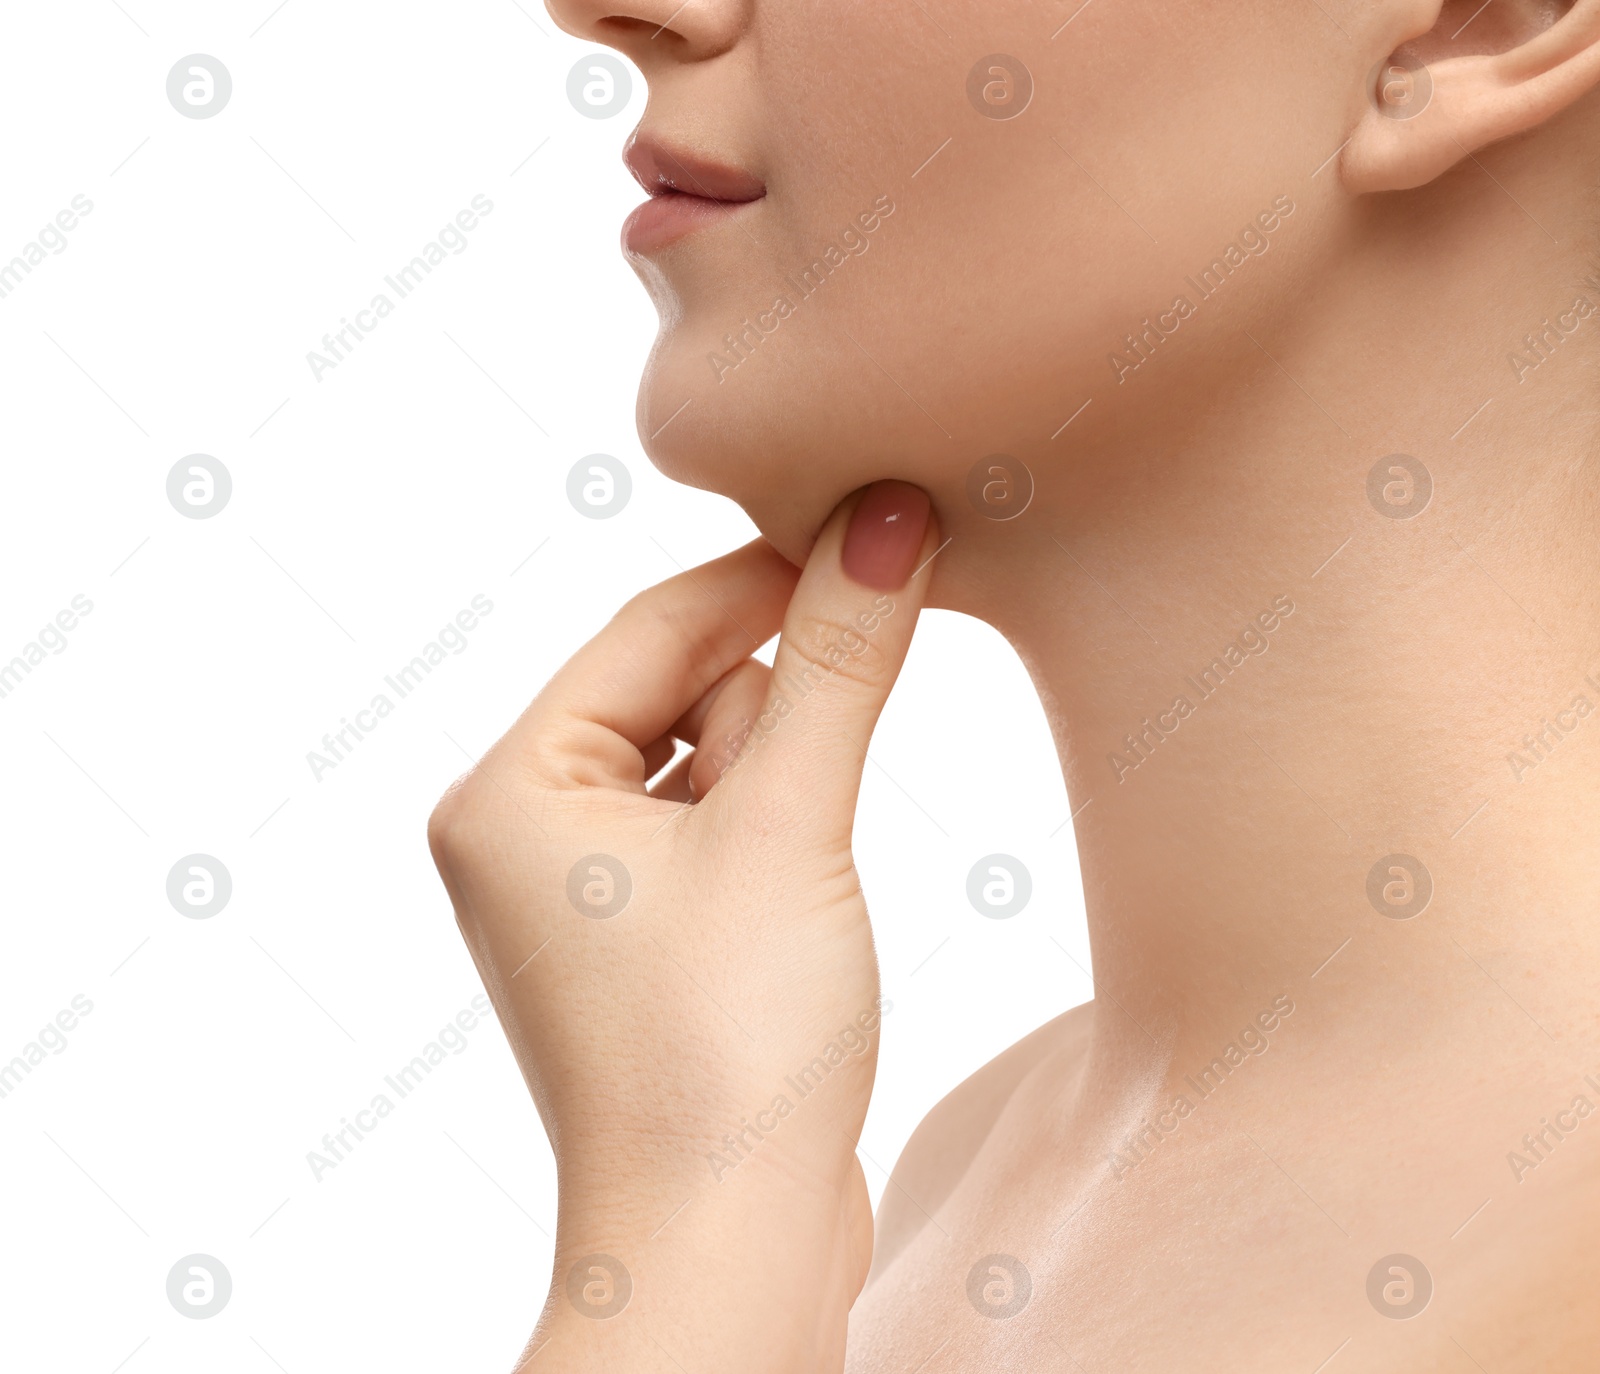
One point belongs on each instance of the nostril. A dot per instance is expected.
(623, 32)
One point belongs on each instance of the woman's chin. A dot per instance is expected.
(724, 462)
(789, 433)
(741, 439)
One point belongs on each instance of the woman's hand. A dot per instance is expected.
(686, 971)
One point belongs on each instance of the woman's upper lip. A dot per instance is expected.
(666, 171)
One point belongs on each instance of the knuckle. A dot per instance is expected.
(481, 819)
(673, 605)
(838, 649)
(458, 824)
(572, 752)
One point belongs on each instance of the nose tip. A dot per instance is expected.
(655, 32)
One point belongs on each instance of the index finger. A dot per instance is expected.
(659, 655)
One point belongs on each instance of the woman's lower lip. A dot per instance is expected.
(665, 219)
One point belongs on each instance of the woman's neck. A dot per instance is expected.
(1264, 680)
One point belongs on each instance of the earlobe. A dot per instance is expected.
(1427, 110)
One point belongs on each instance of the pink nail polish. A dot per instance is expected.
(885, 535)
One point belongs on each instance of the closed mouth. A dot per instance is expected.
(687, 190)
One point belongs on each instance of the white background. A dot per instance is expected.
(368, 508)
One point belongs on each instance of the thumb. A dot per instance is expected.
(845, 635)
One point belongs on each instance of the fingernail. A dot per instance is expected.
(885, 535)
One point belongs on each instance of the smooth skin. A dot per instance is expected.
(748, 947)
(1399, 1083)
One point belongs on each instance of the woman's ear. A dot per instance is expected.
(1481, 72)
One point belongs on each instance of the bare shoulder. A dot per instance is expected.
(948, 1139)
